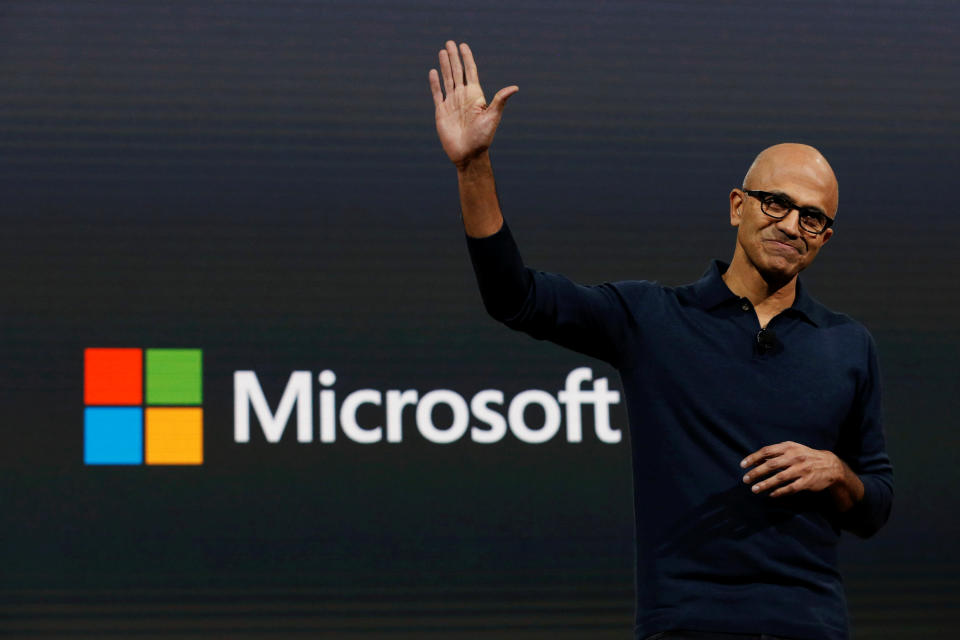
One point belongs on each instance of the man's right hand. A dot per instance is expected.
(465, 123)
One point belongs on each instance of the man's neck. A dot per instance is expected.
(768, 298)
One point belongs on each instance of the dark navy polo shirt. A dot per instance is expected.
(701, 395)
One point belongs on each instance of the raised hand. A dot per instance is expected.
(465, 122)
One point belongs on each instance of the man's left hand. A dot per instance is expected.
(794, 466)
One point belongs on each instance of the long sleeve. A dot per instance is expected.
(594, 320)
(864, 449)
(503, 280)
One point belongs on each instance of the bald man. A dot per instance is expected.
(754, 410)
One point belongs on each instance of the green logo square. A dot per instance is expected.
(174, 376)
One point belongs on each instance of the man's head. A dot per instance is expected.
(798, 175)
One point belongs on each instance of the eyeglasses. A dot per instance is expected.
(778, 206)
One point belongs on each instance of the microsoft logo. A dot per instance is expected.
(143, 406)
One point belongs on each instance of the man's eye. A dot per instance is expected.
(813, 220)
(777, 205)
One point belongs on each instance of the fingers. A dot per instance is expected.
(793, 487)
(769, 459)
(469, 65)
(455, 65)
(456, 74)
(501, 98)
(787, 475)
(435, 88)
(445, 70)
(797, 467)
(766, 469)
(764, 453)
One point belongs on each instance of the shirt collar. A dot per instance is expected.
(711, 291)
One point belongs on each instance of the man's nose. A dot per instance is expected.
(790, 224)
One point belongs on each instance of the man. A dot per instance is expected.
(754, 410)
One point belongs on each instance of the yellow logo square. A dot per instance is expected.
(174, 435)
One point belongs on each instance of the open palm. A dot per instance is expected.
(465, 123)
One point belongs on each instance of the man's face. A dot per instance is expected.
(780, 249)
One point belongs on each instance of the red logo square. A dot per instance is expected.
(113, 376)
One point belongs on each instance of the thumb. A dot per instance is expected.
(501, 98)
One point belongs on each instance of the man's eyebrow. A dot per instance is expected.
(793, 202)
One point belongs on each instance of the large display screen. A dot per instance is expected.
(248, 386)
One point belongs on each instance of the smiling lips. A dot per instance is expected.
(785, 245)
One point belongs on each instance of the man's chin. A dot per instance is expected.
(780, 270)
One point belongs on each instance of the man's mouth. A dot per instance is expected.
(784, 245)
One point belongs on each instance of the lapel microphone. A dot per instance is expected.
(766, 340)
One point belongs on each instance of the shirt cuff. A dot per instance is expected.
(868, 515)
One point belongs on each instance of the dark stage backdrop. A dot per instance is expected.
(251, 193)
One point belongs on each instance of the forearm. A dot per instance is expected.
(503, 279)
(478, 197)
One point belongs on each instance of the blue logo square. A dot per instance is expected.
(113, 435)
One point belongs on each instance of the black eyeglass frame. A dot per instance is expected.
(763, 196)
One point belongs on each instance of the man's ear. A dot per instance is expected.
(736, 207)
(826, 236)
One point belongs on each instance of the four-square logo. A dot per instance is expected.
(143, 406)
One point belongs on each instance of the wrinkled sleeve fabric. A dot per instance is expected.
(863, 447)
(593, 320)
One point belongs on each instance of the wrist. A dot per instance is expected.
(474, 165)
(839, 472)
(847, 488)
